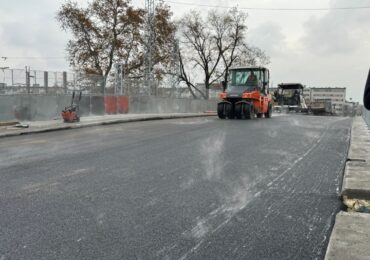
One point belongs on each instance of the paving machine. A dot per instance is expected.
(71, 114)
(289, 97)
(246, 94)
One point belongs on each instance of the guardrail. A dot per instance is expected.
(366, 116)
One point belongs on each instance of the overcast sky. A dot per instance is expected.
(317, 48)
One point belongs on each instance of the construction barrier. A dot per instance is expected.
(110, 103)
(122, 104)
(116, 104)
(97, 105)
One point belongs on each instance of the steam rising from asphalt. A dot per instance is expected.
(212, 158)
(232, 194)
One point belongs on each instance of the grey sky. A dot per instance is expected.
(321, 48)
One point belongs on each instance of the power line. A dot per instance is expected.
(273, 9)
(30, 58)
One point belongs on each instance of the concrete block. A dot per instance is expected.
(7, 107)
(350, 238)
(358, 150)
(97, 105)
(356, 185)
(24, 108)
(85, 106)
(46, 107)
(361, 138)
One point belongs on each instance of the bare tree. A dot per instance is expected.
(198, 38)
(231, 30)
(233, 41)
(185, 77)
(215, 45)
(251, 55)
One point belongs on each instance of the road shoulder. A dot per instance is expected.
(57, 125)
(350, 238)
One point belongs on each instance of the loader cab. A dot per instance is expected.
(247, 79)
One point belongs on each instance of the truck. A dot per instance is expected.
(321, 107)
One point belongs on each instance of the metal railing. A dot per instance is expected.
(366, 115)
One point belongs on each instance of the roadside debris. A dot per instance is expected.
(357, 205)
(20, 125)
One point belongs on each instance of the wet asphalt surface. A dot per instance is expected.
(198, 188)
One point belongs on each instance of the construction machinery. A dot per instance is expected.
(71, 114)
(246, 95)
(289, 97)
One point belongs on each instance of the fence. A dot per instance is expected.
(17, 81)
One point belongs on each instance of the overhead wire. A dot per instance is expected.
(30, 58)
(270, 8)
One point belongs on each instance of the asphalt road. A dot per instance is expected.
(175, 189)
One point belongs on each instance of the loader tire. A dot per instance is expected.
(221, 111)
(249, 111)
(268, 114)
(238, 111)
(230, 111)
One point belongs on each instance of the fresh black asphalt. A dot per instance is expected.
(198, 188)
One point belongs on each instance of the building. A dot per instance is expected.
(307, 94)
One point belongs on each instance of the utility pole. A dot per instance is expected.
(149, 42)
(28, 79)
(119, 78)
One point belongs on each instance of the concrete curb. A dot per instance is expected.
(356, 180)
(8, 123)
(350, 238)
(106, 122)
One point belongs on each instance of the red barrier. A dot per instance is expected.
(122, 104)
(110, 103)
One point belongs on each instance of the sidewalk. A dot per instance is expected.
(350, 238)
(54, 125)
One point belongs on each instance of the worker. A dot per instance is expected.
(367, 93)
(296, 97)
(252, 79)
(253, 82)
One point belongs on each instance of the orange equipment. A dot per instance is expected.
(71, 114)
(246, 95)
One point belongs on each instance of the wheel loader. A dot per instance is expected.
(246, 94)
